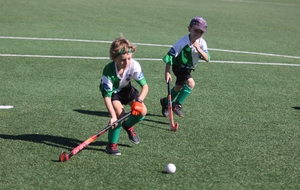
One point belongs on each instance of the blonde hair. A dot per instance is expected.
(120, 46)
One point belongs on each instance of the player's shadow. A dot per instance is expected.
(96, 113)
(296, 108)
(56, 141)
(106, 114)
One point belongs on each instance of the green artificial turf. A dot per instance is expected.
(241, 124)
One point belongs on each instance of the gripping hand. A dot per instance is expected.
(137, 107)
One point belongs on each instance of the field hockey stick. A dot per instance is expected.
(173, 127)
(64, 157)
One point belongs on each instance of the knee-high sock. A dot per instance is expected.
(132, 120)
(113, 134)
(173, 95)
(184, 92)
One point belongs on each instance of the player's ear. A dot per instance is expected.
(189, 28)
(113, 58)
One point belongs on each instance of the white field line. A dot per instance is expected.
(146, 59)
(273, 3)
(76, 40)
(256, 63)
(255, 53)
(52, 56)
(143, 44)
(6, 107)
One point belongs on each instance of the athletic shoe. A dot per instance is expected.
(112, 149)
(165, 108)
(131, 134)
(177, 109)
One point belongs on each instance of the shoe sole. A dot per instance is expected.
(177, 114)
(116, 154)
(134, 141)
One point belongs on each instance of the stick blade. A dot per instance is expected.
(175, 127)
(62, 156)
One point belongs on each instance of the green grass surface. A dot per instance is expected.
(241, 124)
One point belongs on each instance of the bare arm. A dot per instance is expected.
(110, 109)
(204, 55)
(167, 73)
(144, 92)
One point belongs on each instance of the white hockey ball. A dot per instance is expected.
(171, 168)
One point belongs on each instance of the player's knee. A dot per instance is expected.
(191, 83)
(177, 88)
(144, 112)
(119, 113)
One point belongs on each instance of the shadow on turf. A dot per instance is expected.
(106, 114)
(97, 113)
(296, 108)
(60, 142)
(157, 127)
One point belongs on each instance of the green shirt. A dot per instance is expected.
(111, 81)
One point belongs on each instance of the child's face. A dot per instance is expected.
(195, 33)
(123, 60)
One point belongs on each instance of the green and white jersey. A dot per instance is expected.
(182, 55)
(111, 81)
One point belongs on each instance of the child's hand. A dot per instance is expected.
(168, 77)
(196, 45)
(202, 53)
(112, 120)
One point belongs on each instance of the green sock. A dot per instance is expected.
(113, 134)
(132, 120)
(173, 95)
(184, 92)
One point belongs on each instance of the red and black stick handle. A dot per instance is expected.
(64, 157)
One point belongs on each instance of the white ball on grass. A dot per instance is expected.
(171, 168)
